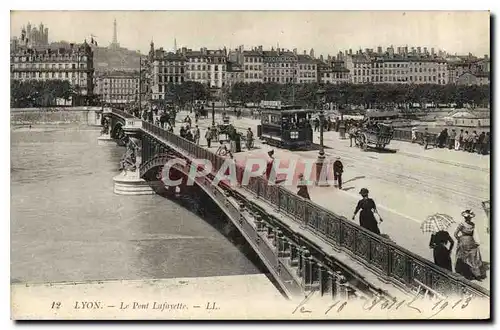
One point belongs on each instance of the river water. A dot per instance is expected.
(68, 225)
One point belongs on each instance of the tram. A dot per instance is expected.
(286, 127)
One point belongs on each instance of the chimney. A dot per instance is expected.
(379, 50)
(419, 50)
(432, 51)
(295, 51)
(305, 52)
(425, 51)
(260, 48)
(485, 56)
(399, 50)
(350, 51)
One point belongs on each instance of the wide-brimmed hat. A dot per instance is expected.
(468, 214)
(363, 191)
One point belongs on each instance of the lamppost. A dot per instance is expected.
(320, 162)
(213, 113)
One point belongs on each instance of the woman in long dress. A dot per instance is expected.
(442, 253)
(302, 185)
(469, 263)
(368, 208)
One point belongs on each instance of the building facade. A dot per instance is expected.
(197, 65)
(75, 65)
(253, 64)
(279, 66)
(334, 73)
(307, 70)
(217, 68)
(118, 87)
(166, 68)
(234, 74)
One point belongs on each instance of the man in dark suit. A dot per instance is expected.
(338, 169)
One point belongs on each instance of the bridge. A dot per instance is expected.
(304, 246)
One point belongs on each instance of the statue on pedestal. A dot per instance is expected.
(105, 126)
(129, 161)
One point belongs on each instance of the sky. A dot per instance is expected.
(326, 31)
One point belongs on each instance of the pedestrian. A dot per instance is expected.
(486, 143)
(189, 136)
(197, 135)
(465, 141)
(413, 135)
(270, 163)
(442, 254)
(338, 169)
(443, 137)
(249, 138)
(196, 117)
(352, 134)
(459, 139)
(316, 124)
(182, 132)
(426, 138)
(451, 138)
(208, 136)
(367, 215)
(302, 186)
(480, 143)
(469, 263)
(474, 139)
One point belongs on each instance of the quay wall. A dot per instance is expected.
(56, 115)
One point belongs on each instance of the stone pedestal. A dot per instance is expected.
(105, 139)
(129, 183)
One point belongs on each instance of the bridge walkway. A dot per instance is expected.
(440, 180)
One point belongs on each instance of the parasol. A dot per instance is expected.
(436, 222)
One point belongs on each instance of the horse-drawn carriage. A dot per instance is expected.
(376, 135)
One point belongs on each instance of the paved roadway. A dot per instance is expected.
(407, 185)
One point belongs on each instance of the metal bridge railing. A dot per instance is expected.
(405, 135)
(391, 261)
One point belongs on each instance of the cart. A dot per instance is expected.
(377, 136)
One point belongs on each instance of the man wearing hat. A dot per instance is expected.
(338, 168)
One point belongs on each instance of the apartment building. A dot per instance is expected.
(166, 68)
(118, 87)
(74, 64)
(253, 65)
(307, 69)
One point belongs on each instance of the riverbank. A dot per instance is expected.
(56, 116)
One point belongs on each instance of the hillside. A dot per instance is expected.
(115, 59)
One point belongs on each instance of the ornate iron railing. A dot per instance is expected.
(387, 259)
